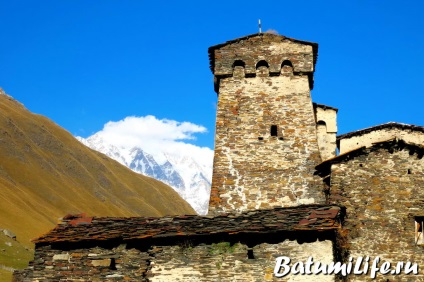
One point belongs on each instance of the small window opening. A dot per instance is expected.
(361, 165)
(260, 138)
(250, 254)
(409, 171)
(238, 68)
(262, 69)
(262, 64)
(280, 138)
(112, 265)
(286, 63)
(274, 130)
(286, 67)
(419, 223)
(238, 63)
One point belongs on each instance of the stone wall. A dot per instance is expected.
(223, 261)
(226, 262)
(382, 190)
(265, 141)
(87, 264)
(326, 118)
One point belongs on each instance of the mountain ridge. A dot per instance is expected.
(189, 179)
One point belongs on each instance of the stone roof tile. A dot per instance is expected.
(307, 217)
(316, 105)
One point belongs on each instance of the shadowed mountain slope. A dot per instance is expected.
(45, 173)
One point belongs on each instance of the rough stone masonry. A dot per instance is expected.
(266, 139)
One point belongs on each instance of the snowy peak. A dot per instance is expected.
(182, 172)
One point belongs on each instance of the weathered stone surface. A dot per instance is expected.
(265, 139)
(61, 257)
(254, 48)
(101, 262)
(226, 262)
(382, 190)
(326, 119)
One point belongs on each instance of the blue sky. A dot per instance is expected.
(85, 63)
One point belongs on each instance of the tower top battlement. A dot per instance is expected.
(268, 49)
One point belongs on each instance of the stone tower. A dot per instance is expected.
(266, 139)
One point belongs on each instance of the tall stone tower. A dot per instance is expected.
(266, 139)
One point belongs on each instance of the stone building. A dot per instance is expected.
(279, 190)
(266, 144)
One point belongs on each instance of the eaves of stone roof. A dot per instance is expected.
(316, 105)
(79, 228)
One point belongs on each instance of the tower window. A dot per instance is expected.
(286, 63)
(238, 68)
(238, 63)
(274, 130)
(262, 69)
(112, 265)
(286, 68)
(262, 63)
(250, 254)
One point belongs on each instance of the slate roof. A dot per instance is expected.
(79, 228)
(316, 105)
(379, 127)
(324, 168)
(212, 49)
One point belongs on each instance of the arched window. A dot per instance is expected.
(262, 69)
(238, 68)
(321, 128)
(238, 63)
(286, 63)
(262, 63)
(286, 67)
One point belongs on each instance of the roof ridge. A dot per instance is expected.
(393, 142)
(381, 126)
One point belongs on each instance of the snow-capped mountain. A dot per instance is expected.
(187, 176)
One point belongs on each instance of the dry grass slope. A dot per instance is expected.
(45, 173)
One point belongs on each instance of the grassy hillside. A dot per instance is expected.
(13, 255)
(45, 173)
